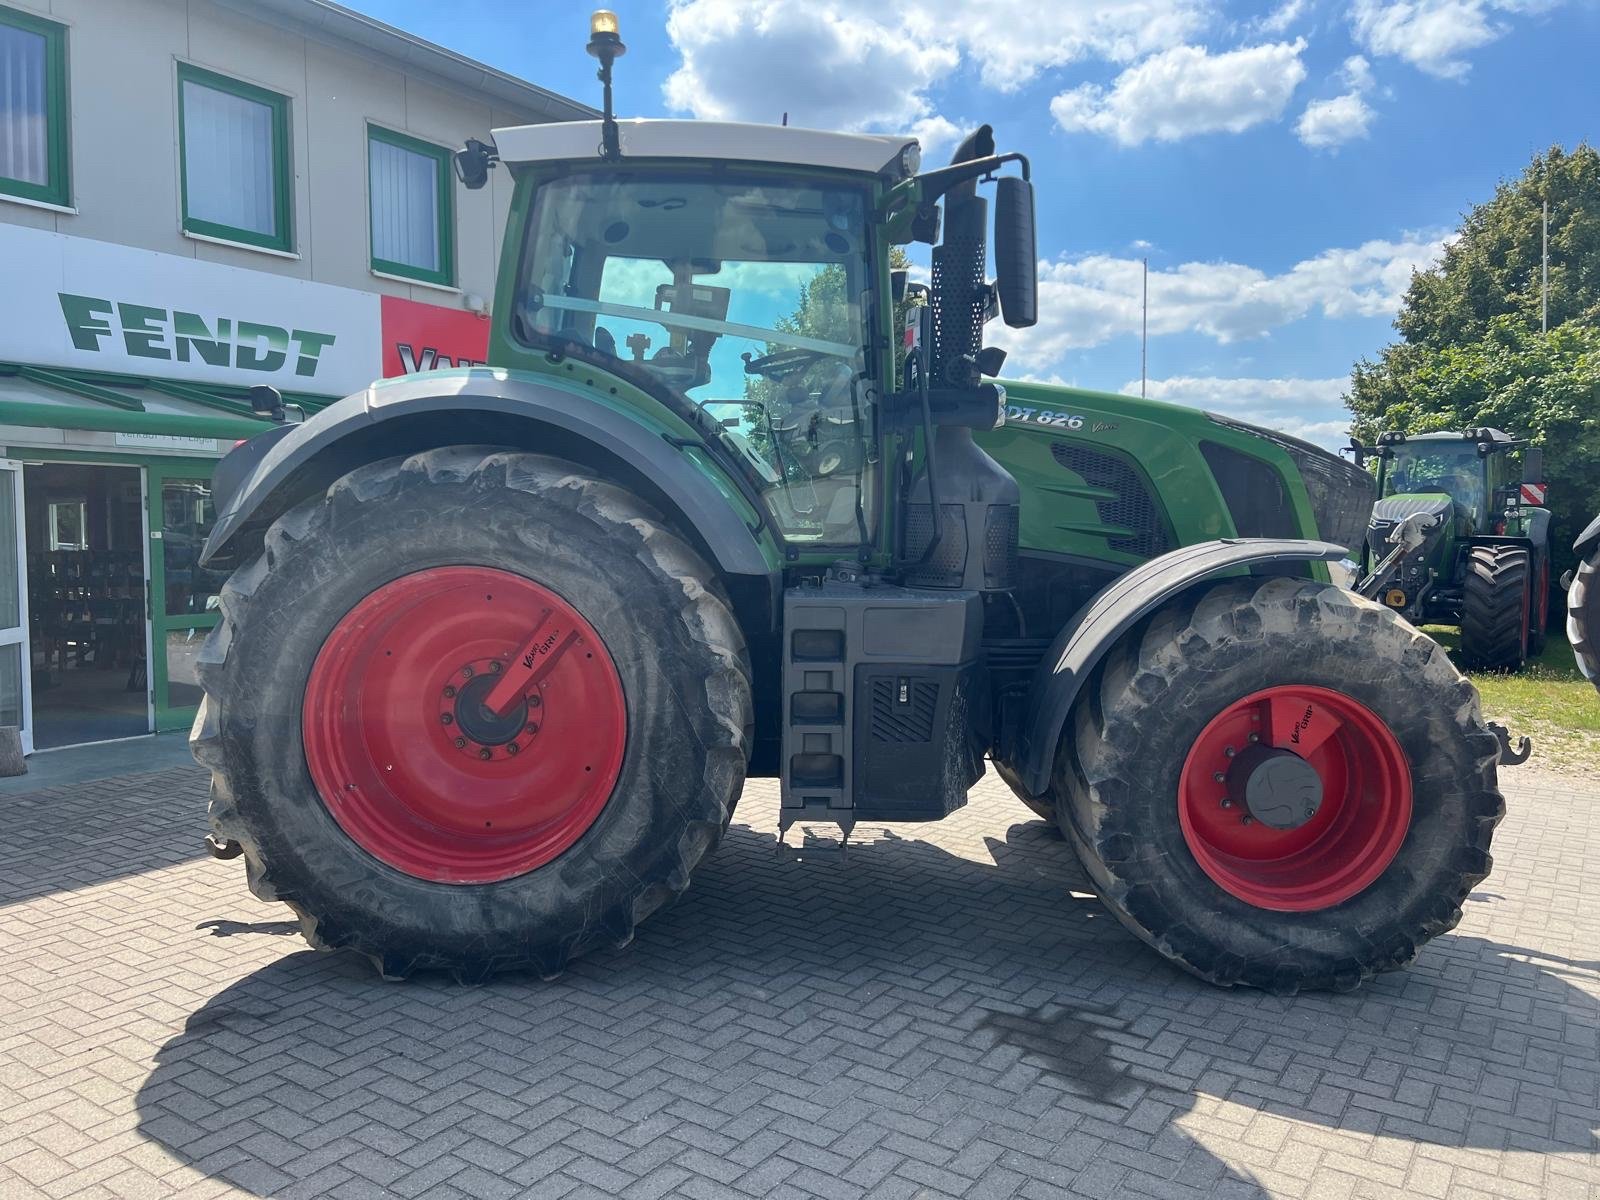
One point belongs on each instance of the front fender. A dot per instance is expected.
(1587, 540)
(1083, 643)
(491, 407)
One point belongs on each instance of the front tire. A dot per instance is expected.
(1496, 608)
(1583, 615)
(1405, 772)
(375, 790)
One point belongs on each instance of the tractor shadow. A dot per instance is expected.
(901, 1009)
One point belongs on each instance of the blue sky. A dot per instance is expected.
(1283, 166)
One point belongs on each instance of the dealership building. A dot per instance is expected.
(197, 196)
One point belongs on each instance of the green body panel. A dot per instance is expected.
(1159, 442)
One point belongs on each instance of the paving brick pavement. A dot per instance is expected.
(942, 1012)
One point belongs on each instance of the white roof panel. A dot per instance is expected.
(727, 140)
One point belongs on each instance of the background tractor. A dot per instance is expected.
(1483, 562)
(501, 645)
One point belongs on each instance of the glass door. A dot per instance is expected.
(15, 662)
(183, 594)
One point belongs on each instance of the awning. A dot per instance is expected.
(55, 398)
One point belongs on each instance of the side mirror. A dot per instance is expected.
(266, 401)
(1533, 464)
(472, 163)
(1016, 260)
(897, 285)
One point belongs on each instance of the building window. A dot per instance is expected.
(413, 207)
(33, 109)
(234, 147)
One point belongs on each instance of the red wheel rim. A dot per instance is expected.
(432, 783)
(1332, 854)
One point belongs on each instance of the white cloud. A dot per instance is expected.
(1326, 124)
(1086, 302)
(1280, 19)
(859, 64)
(1435, 35)
(1305, 408)
(1186, 91)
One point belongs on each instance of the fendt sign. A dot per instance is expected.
(74, 302)
(156, 333)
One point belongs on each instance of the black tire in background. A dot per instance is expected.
(1496, 608)
(1119, 767)
(677, 650)
(1583, 615)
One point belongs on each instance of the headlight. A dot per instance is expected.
(1340, 492)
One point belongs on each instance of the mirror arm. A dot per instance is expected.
(933, 184)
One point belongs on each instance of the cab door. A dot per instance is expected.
(16, 662)
(183, 594)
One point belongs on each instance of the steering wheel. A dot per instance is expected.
(782, 363)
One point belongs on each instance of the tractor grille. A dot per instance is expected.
(948, 566)
(1254, 493)
(1134, 509)
(909, 722)
(1000, 545)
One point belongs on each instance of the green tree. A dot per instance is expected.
(1471, 351)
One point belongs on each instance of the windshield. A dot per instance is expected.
(1454, 468)
(742, 296)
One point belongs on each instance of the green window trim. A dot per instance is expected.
(282, 163)
(445, 276)
(57, 189)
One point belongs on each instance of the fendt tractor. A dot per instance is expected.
(1476, 553)
(502, 645)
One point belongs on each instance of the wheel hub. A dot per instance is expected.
(462, 706)
(1276, 787)
(414, 762)
(1295, 798)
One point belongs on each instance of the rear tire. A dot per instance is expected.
(1165, 686)
(652, 607)
(1496, 608)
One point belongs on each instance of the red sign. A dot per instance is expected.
(1534, 493)
(429, 337)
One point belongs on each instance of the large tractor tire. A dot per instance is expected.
(356, 760)
(1583, 615)
(1496, 608)
(1324, 795)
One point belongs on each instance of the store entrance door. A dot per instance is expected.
(85, 537)
(184, 593)
(14, 658)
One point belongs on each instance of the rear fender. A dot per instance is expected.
(1083, 643)
(483, 407)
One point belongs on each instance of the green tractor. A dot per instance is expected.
(1480, 557)
(502, 645)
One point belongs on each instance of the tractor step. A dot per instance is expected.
(882, 708)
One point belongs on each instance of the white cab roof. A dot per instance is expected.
(727, 140)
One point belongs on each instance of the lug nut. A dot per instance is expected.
(486, 755)
(461, 743)
(445, 718)
(1220, 777)
(1226, 803)
(1247, 819)
(495, 666)
(512, 747)
(467, 671)
(535, 700)
(1255, 737)
(533, 727)
(449, 692)
(1227, 752)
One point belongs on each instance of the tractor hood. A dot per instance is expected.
(1391, 510)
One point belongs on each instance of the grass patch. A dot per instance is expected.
(1549, 700)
